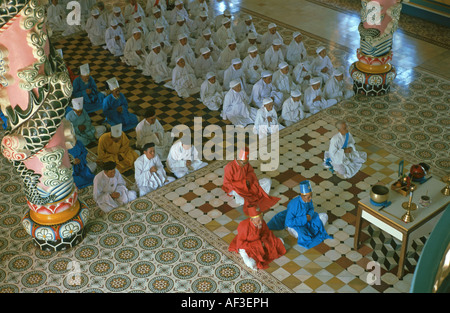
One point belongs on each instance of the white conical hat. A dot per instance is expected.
(116, 130)
(77, 103)
(84, 69)
(112, 83)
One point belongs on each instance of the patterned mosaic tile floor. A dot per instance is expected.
(210, 218)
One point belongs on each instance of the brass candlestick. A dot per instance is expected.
(446, 190)
(409, 206)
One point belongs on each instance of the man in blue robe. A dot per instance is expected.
(300, 219)
(83, 175)
(82, 125)
(115, 108)
(84, 86)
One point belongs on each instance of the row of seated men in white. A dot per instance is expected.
(249, 92)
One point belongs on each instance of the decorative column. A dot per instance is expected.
(34, 93)
(372, 74)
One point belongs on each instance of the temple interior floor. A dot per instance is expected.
(176, 238)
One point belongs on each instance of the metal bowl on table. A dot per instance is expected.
(379, 193)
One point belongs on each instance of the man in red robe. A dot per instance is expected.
(240, 181)
(255, 242)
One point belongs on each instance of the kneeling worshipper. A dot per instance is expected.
(314, 99)
(201, 23)
(265, 89)
(56, 19)
(83, 171)
(211, 93)
(247, 43)
(150, 130)
(336, 87)
(266, 121)
(273, 56)
(236, 106)
(149, 172)
(96, 28)
(139, 23)
(114, 38)
(82, 124)
(134, 53)
(131, 8)
(300, 219)
(183, 159)
(182, 48)
(206, 41)
(296, 51)
(115, 107)
(302, 75)
(115, 146)
(283, 81)
(84, 86)
(184, 81)
(293, 110)
(159, 35)
(156, 64)
(234, 72)
(204, 63)
(117, 15)
(269, 36)
(228, 53)
(110, 190)
(255, 242)
(240, 181)
(342, 155)
(245, 28)
(252, 65)
(224, 32)
(321, 65)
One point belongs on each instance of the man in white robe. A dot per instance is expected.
(137, 22)
(218, 22)
(265, 89)
(182, 48)
(273, 56)
(104, 14)
(204, 64)
(183, 159)
(115, 40)
(179, 10)
(151, 130)
(134, 53)
(283, 81)
(156, 4)
(56, 19)
(266, 121)
(227, 54)
(211, 93)
(236, 106)
(314, 98)
(296, 51)
(269, 36)
(177, 29)
(96, 28)
(302, 74)
(243, 46)
(157, 17)
(110, 190)
(322, 66)
(342, 155)
(149, 172)
(235, 72)
(206, 41)
(244, 28)
(160, 35)
(117, 15)
(184, 81)
(293, 110)
(201, 23)
(224, 32)
(197, 7)
(336, 87)
(156, 64)
(132, 7)
(252, 65)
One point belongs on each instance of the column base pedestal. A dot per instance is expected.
(58, 237)
(371, 84)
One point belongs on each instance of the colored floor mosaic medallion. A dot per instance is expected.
(176, 238)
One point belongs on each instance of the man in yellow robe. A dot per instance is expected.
(115, 146)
